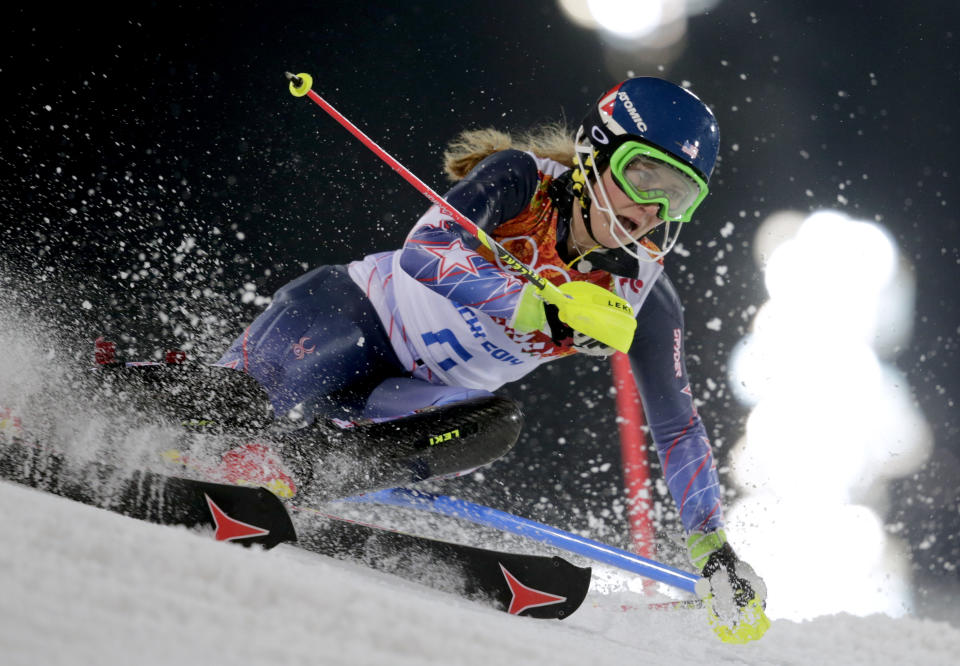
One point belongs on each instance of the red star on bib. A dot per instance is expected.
(453, 256)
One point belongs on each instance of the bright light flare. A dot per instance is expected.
(630, 19)
(820, 557)
(836, 414)
(834, 283)
(831, 422)
(797, 348)
(832, 255)
(627, 18)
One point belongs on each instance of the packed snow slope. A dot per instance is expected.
(85, 586)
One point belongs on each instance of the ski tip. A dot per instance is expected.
(300, 84)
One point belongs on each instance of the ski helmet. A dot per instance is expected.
(660, 142)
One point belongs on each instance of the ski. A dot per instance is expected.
(233, 498)
(541, 587)
(530, 585)
(245, 515)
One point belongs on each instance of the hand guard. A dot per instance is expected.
(533, 314)
(734, 595)
(564, 336)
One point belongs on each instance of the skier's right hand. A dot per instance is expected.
(578, 314)
(564, 336)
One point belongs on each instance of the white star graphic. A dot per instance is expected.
(453, 256)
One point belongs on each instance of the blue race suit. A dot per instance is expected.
(431, 323)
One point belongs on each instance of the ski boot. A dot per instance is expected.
(11, 427)
(335, 459)
(252, 464)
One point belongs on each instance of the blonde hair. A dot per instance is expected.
(553, 141)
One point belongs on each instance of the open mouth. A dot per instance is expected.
(630, 225)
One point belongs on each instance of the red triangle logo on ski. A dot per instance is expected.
(525, 597)
(230, 529)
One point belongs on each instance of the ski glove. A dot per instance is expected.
(734, 595)
(534, 314)
(587, 345)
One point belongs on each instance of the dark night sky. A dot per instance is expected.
(125, 130)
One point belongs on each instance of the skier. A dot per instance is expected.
(441, 322)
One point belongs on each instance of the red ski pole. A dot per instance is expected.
(595, 311)
(300, 86)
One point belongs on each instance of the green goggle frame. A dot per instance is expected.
(630, 150)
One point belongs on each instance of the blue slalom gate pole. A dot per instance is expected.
(501, 520)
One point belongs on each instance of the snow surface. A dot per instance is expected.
(86, 586)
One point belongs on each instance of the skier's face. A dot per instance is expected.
(636, 219)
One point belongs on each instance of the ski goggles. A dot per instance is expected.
(651, 176)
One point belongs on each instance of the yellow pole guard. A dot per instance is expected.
(483, 238)
(306, 83)
(594, 311)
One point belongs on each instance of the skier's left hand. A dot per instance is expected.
(734, 595)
